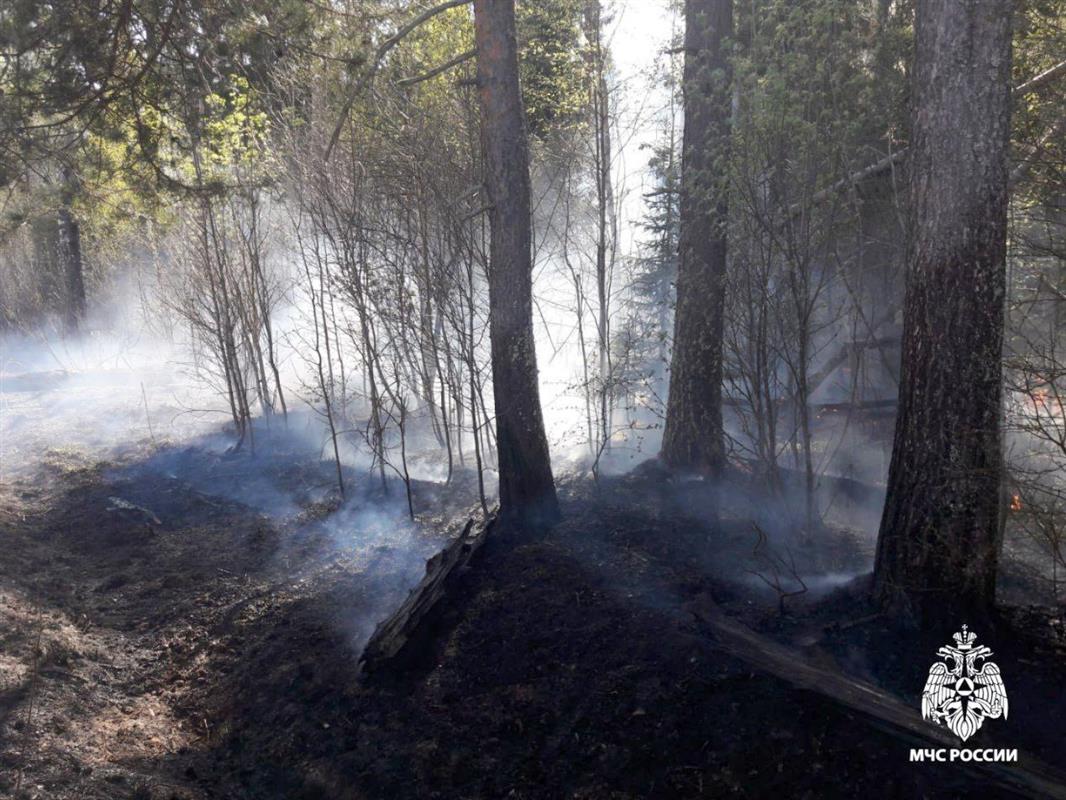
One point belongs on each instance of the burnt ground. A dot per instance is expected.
(200, 639)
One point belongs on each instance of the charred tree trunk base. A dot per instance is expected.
(939, 539)
(527, 487)
(408, 634)
(693, 437)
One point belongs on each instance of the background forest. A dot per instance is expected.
(328, 261)
(289, 196)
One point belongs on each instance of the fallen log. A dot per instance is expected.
(400, 634)
(1028, 777)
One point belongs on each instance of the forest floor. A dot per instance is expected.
(176, 625)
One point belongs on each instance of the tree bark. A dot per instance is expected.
(693, 436)
(527, 488)
(409, 628)
(69, 252)
(939, 539)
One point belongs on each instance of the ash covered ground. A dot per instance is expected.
(181, 620)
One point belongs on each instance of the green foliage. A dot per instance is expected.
(821, 85)
(234, 129)
(124, 99)
(1039, 44)
(551, 60)
(552, 64)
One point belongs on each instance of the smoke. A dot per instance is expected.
(103, 394)
(365, 539)
(124, 395)
(124, 389)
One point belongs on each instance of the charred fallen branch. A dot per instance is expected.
(399, 637)
(1029, 776)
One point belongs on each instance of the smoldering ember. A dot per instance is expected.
(588, 399)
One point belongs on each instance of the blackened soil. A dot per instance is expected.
(566, 664)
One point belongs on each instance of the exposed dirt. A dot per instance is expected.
(124, 591)
(178, 644)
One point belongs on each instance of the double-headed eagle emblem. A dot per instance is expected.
(958, 694)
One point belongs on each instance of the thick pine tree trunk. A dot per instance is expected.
(693, 436)
(939, 539)
(526, 485)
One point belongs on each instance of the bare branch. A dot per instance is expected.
(1037, 81)
(433, 73)
(375, 63)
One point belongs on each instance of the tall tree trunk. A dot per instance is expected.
(69, 251)
(939, 540)
(693, 435)
(527, 488)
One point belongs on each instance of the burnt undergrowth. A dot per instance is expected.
(566, 662)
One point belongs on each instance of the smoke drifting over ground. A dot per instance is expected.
(135, 405)
(100, 393)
